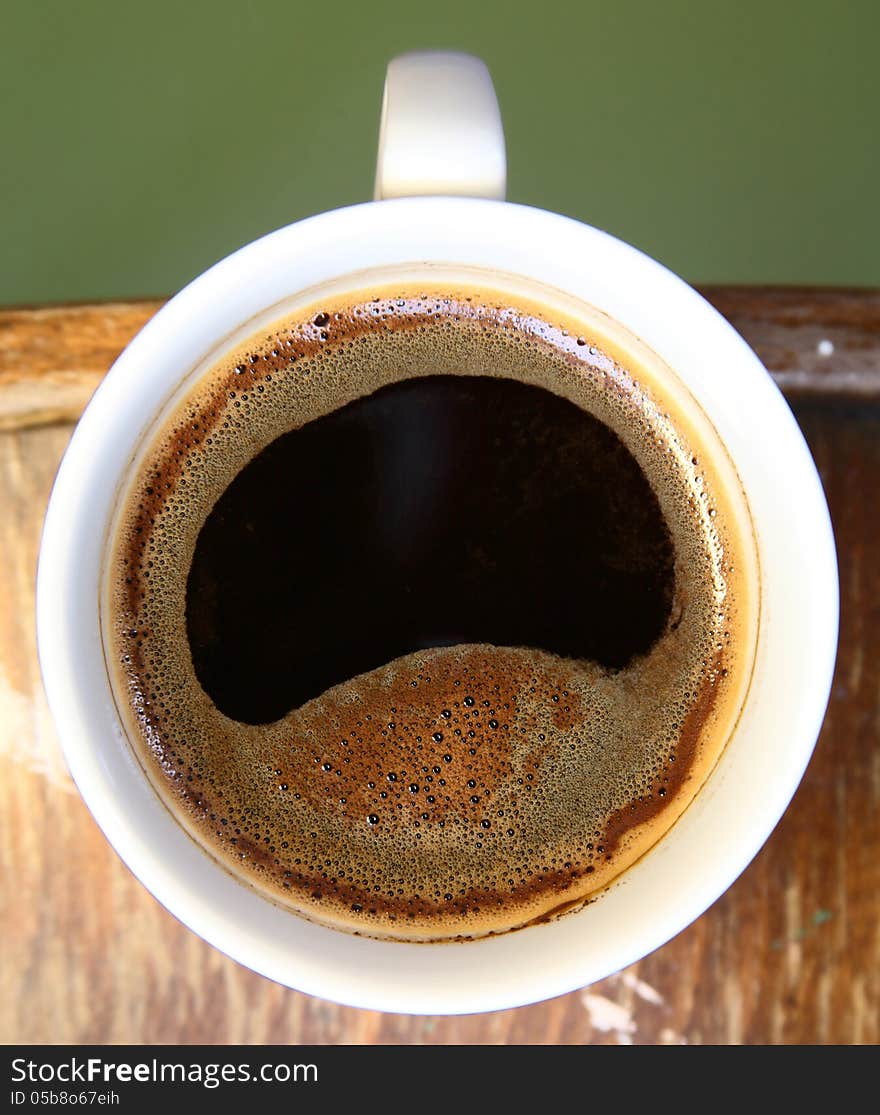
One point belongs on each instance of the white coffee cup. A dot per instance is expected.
(441, 137)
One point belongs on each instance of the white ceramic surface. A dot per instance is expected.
(758, 772)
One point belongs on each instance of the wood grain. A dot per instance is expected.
(811, 340)
(791, 953)
(53, 358)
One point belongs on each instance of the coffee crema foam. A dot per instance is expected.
(455, 791)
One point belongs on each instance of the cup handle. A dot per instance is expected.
(441, 128)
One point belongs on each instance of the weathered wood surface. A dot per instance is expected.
(812, 340)
(791, 953)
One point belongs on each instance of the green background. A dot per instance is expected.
(736, 142)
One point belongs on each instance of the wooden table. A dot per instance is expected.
(791, 953)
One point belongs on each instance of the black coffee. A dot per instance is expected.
(435, 512)
(430, 614)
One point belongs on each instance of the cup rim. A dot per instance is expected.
(797, 638)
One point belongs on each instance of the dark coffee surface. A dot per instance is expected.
(428, 613)
(439, 511)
